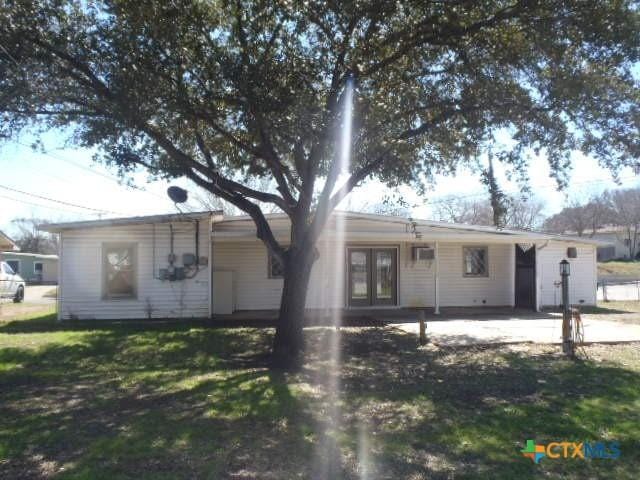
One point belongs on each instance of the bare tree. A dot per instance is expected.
(584, 218)
(519, 212)
(31, 240)
(625, 208)
(524, 213)
(461, 210)
(574, 218)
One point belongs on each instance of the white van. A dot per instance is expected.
(11, 284)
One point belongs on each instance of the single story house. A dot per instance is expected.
(617, 243)
(33, 267)
(208, 264)
(6, 243)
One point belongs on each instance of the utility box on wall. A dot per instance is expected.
(222, 292)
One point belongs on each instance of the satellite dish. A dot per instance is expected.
(177, 194)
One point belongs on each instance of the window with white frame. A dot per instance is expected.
(37, 268)
(120, 268)
(475, 261)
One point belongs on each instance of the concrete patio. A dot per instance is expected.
(467, 326)
(547, 329)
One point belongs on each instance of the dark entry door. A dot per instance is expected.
(525, 277)
(372, 276)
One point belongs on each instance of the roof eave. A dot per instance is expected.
(124, 221)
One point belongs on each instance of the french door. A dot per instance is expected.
(372, 276)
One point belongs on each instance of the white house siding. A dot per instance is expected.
(253, 290)
(417, 279)
(460, 291)
(81, 273)
(49, 270)
(582, 281)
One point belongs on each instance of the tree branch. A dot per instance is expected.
(232, 185)
(263, 229)
(440, 37)
(328, 204)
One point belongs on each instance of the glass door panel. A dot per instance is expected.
(359, 276)
(384, 276)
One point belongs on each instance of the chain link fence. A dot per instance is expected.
(628, 290)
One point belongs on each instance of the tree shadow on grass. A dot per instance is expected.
(148, 403)
(182, 401)
(467, 411)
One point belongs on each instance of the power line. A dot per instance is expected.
(39, 205)
(95, 172)
(58, 201)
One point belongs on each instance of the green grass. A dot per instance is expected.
(619, 268)
(179, 400)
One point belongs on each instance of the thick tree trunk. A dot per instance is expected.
(288, 344)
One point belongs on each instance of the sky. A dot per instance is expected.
(64, 184)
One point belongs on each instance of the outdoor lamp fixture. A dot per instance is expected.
(565, 268)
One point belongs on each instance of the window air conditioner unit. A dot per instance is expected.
(423, 253)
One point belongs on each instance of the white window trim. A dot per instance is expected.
(134, 250)
(41, 267)
(486, 262)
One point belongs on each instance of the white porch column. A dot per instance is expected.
(512, 275)
(436, 296)
(210, 267)
(538, 267)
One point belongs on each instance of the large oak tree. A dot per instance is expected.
(221, 90)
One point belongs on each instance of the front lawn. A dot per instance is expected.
(165, 401)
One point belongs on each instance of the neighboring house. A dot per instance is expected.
(204, 264)
(6, 243)
(33, 267)
(619, 244)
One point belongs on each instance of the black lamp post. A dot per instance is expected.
(565, 271)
